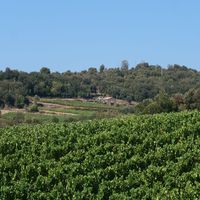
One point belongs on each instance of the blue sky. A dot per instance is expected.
(75, 34)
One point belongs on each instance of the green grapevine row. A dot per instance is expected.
(134, 157)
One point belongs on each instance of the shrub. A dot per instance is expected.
(152, 108)
(33, 108)
(127, 109)
(19, 102)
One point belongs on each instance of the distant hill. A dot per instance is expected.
(144, 81)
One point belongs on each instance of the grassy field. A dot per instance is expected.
(5, 122)
(87, 113)
(60, 110)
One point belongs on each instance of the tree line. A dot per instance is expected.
(139, 83)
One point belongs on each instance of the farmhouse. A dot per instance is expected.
(107, 100)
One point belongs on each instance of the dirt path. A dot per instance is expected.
(53, 105)
(4, 111)
(48, 112)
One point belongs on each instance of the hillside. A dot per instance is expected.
(144, 157)
(143, 81)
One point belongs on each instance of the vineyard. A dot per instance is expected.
(132, 157)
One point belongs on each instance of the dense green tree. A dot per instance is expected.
(2, 103)
(45, 70)
(192, 99)
(124, 65)
(101, 68)
(153, 108)
(164, 101)
(10, 100)
(20, 101)
(92, 70)
(57, 88)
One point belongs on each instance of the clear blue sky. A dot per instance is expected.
(77, 34)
